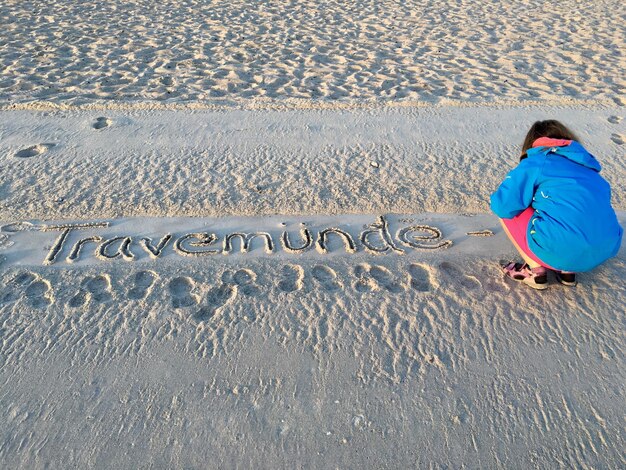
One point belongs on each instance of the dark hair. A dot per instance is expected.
(550, 128)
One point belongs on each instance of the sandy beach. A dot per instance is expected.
(360, 51)
(257, 235)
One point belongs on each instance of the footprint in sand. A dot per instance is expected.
(326, 277)
(245, 279)
(291, 277)
(180, 289)
(420, 278)
(8, 296)
(99, 288)
(36, 291)
(81, 298)
(370, 278)
(101, 123)
(614, 119)
(34, 150)
(364, 282)
(16, 286)
(142, 283)
(39, 293)
(23, 279)
(216, 298)
(384, 278)
(467, 281)
(618, 139)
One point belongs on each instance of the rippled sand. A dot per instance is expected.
(293, 52)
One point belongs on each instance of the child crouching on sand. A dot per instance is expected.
(556, 208)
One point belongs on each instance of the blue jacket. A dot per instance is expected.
(574, 227)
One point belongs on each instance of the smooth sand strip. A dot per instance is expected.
(84, 166)
(151, 242)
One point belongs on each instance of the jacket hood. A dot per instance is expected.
(569, 149)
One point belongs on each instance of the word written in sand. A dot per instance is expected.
(375, 238)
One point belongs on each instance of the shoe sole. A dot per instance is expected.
(533, 285)
(536, 286)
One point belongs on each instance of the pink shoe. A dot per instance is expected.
(537, 278)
